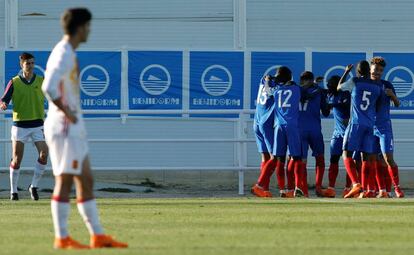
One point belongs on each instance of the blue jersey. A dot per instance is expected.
(384, 105)
(313, 103)
(341, 105)
(265, 103)
(364, 96)
(287, 100)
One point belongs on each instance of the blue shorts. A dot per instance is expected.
(287, 137)
(356, 156)
(359, 138)
(314, 140)
(264, 136)
(384, 140)
(336, 145)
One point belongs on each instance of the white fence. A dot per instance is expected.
(240, 140)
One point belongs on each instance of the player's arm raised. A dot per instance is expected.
(346, 85)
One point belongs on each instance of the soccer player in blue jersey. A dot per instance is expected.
(313, 103)
(287, 98)
(359, 133)
(383, 128)
(340, 102)
(264, 133)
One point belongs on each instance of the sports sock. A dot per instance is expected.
(348, 183)
(38, 172)
(14, 178)
(365, 175)
(299, 173)
(351, 170)
(60, 214)
(304, 179)
(393, 172)
(280, 174)
(320, 170)
(333, 174)
(89, 212)
(264, 178)
(291, 175)
(379, 175)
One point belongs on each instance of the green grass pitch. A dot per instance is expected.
(223, 226)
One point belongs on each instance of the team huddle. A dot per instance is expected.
(287, 123)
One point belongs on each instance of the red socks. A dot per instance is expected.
(379, 175)
(320, 169)
(266, 173)
(393, 172)
(291, 175)
(351, 169)
(280, 174)
(333, 174)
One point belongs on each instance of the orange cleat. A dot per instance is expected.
(398, 192)
(329, 192)
(106, 241)
(268, 193)
(260, 192)
(346, 191)
(356, 189)
(289, 194)
(319, 192)
(383, 194)
(68, 243)
(367, 194)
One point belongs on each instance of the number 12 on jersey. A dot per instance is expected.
(283, 98)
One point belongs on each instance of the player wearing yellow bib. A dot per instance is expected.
(25, 90)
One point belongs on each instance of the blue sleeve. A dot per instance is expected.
(8, 93)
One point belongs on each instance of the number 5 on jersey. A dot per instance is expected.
(365, 100)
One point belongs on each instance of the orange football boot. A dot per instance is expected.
(398, 192)
(106, 241)
(68, 243)
(356, 189)
(260, 192)
(346, 191)
(329, 192)
(383, 194)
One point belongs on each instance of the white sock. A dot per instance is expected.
(89, 213)
(38, 172)
(14, 179)
(60, 215)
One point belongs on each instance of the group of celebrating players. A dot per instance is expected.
(287, 123)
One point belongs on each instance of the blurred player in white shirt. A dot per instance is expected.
(65, 135)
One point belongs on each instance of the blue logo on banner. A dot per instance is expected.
(327, 64)
(100, 79)
(400, 72)
(100, 76)
(155, 79)
(94, 80)
(216, 80)
(264, 63)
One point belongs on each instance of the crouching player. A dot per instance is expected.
(383, 130)
(65, 135)
(313, 103)
(359, 133)
(264, 132)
